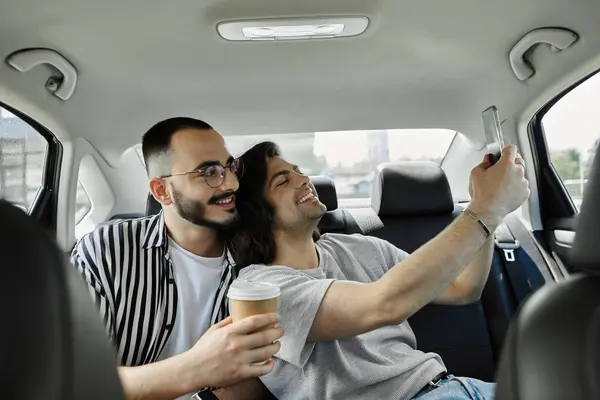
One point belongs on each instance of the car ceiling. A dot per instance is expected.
(420, 64)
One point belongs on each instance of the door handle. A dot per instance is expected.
(558, 39)
(61, 86)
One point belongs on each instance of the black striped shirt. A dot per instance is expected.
(129, 274)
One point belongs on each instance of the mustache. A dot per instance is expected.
(214, 199)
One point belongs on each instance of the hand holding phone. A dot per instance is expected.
(493, 133)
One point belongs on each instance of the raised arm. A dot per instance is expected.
(468, 286)
(350, 309)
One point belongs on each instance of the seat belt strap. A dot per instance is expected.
(544, 263)
(526, 268)
(513, 262)
(506, 242)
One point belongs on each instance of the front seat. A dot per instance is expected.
(53, 346)
(552, 350)
(414, 201)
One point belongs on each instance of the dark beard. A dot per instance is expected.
(193, 211)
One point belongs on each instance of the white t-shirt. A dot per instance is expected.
(197, 280)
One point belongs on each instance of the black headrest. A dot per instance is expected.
(54, 342)
(153, 207)
(585, 253)
(411, 188)
(551, 349)
(326, 191)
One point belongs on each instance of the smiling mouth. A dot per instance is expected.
(309, 196)
(226, 201)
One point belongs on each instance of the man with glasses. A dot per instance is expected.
(160, 282)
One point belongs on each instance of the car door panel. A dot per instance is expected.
(565, 138)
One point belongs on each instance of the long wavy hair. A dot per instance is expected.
(254, 241)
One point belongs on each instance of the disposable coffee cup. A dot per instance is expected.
(252, 298)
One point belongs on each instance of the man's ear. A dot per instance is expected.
(158, 188)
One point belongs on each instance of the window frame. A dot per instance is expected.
(44, 205)
(554, 198)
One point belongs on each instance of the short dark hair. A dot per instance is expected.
(254, 242)
(157, 141)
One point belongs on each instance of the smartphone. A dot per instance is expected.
(493, 133)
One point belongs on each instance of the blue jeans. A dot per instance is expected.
(454, 388)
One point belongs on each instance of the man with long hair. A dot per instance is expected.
(346, 298)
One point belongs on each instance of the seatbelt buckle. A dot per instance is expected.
(508, 248)
(434, 384)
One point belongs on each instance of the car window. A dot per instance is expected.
(351, 157)
(572, 134)
(23, 152)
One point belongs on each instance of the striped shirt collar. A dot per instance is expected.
(156, 234)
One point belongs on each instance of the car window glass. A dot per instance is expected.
(23, 152)
(351, 157)
(572, 133)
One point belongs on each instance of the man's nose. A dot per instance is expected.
(230, 182)
(302, 180)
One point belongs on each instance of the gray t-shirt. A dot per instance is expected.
(381, 364)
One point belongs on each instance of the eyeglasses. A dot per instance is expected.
(214, 174)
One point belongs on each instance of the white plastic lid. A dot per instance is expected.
(245, 290)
